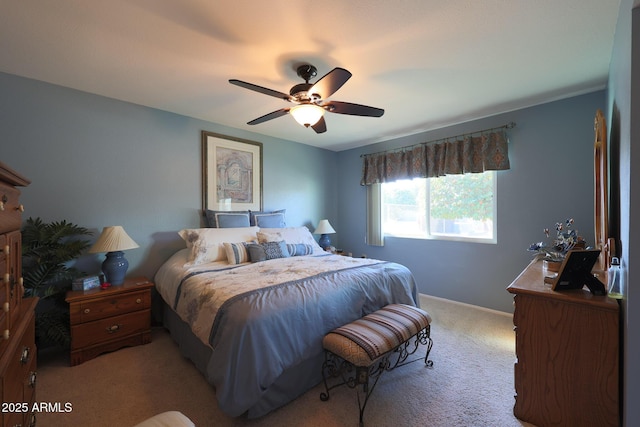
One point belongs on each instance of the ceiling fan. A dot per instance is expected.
(311, 99)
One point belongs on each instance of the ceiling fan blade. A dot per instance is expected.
(330, 83)
(353, 109)
(270, 116)
(320, 126)
(261, 89)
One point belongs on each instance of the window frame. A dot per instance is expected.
(429, 235)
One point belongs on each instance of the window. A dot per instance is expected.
(452, 207)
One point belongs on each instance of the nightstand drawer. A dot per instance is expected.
(101, 331)
(96, 309)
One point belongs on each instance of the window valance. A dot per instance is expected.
(456, 155)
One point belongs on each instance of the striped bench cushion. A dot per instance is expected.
(363, 341)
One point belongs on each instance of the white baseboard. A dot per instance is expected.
(477, 307)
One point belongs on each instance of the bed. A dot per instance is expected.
(254, 329)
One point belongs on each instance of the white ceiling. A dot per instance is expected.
(428, 63)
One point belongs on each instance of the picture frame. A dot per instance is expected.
(576, 272)
(231, 173)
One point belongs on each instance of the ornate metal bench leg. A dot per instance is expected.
(424, 337)
(363, 375)
(335, 366)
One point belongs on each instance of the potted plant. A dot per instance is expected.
(553, 253)
(47, 250)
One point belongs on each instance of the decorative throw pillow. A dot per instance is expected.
(275, 250)
(290, 235)
(299, 249)
(237, 253)
(268, 250)
(272, 220)
(256, 252)
(231, 220)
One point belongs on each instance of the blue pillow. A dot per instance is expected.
(256, 252)
(269, 250)
(299, 249)
(252, 215)
(232, 220)
(272, 220)
(210, 216)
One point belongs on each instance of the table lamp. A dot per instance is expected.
(324, 229)
(114, 240)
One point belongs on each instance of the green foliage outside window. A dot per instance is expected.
(462, 196)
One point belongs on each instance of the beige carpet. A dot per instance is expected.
(470, 384)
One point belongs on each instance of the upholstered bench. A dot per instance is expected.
(381, 341)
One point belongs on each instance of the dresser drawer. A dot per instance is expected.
(5, 333)
(21, 361)
(90, 310)
(29, 383)
(103, 330)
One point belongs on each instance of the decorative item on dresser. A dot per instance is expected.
(17, 321)
(567, 353)
(108, 319)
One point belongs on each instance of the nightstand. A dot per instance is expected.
(104, 320)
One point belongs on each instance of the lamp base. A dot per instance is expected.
(324, 241)
(115, 267)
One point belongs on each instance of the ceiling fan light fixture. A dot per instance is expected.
(307, 114)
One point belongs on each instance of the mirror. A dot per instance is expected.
(602, 242)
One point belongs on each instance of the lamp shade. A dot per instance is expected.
(307, 114)
(324, 227)
(113, 239)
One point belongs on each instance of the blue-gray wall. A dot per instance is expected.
(97, 162)
(550, 180)
(623, 113)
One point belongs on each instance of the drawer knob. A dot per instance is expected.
(139, 301)
(114, 328)
(87, 311)
(20, 208)
(6, 334)
(24, 356)
(33, 376)
(2, 205)
(5, 307)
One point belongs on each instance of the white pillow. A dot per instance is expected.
(205, 244)
(289, 235)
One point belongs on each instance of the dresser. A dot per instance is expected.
(17, 318)
(104, 320)
(567, 354)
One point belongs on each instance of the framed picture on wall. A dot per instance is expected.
(231, 173)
